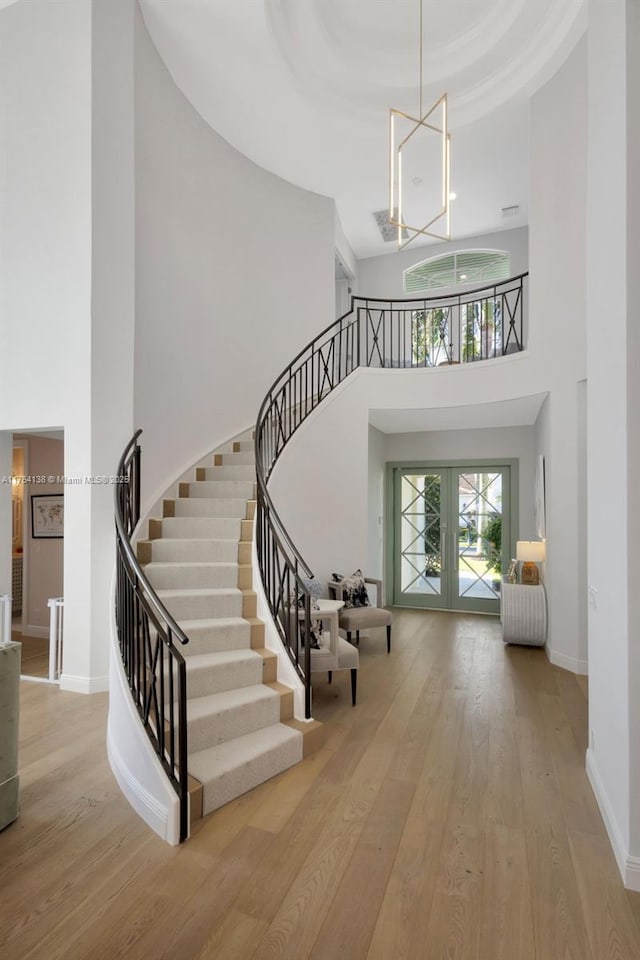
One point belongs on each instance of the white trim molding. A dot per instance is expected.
(628, 866)
(83, 684)
(144, 803)
(580, 667)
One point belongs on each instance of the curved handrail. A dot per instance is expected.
(472, 325)
(154, 666)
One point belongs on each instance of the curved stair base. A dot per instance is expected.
(198, 558)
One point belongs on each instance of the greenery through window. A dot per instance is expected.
(464, 267)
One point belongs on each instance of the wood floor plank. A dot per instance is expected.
(403, 922)
(507, 919)
(612, 931)
(353, 913)
(448, 815)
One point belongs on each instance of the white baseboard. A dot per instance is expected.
(83, 684)
(580, 667)
(632, 876)
(628, 866)
(31, 631)
(145, 805)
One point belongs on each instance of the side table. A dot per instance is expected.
(523, 613)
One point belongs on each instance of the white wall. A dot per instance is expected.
(331, 468)
(633, 405)
(66, 325)
(43, 558)
(513, 443)
(382, 276)
(6, 512)
(375, 503)
(112, 295)
(613, 404)
(557, 333)
(234, 273)
(346, 253)
(45, 257)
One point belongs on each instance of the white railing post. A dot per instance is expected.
(5, 619)
(56, 606)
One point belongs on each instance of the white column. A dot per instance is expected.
(612, 758)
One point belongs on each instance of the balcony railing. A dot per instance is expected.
(476, 325)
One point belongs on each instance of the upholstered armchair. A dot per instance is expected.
(353, 619)
(334, 653)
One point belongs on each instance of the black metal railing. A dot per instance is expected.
(478, 324)
(147, 636)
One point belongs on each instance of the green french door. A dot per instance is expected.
(451, 535)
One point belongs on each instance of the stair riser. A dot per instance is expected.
(205, 528)
(170, 576)
(240, 472)
(204, 608)
(237, 721)
(236, 782)
(194, 551)
(219, 678)
(229, 471)
(236, 458)
(216, 639)
(201, 507)
(214, 489)
(243, 445)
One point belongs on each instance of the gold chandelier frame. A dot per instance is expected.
(423, 124)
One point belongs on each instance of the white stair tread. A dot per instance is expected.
(221, 489)
(221, 659)
(215, 762)
(194, 550)
(202, 528)
(231, 471)
(191, 564)
(199, 592)
(216, 703)
(217, 623)
(233, 457)
(213, 507)
(217, 717)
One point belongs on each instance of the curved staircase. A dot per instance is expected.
(240, 722)
(191, 646)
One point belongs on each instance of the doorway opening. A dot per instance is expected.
(37, 551)
(452, 533)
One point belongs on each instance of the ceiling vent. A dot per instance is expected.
(388, 230)
(511, 211)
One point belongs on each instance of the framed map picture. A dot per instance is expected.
(47, 516)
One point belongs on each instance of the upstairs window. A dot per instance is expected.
(465, 267)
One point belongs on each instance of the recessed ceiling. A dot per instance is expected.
(519, 412)
(303, 88)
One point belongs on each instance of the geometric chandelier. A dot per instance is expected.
(419, 169)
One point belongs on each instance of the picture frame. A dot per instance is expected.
(47, 516)
(539, 500)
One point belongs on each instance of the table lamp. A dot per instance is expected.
(531, 553)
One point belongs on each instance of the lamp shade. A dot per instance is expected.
(531, 551)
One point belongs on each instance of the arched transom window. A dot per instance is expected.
(452, 269)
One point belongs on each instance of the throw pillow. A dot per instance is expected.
(315, 625)
(354, 591)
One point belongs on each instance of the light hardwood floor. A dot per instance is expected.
(34, 656)
(447, 816)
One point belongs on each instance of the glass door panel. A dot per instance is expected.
(479, 547)
(420, 538)
(449, 527)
